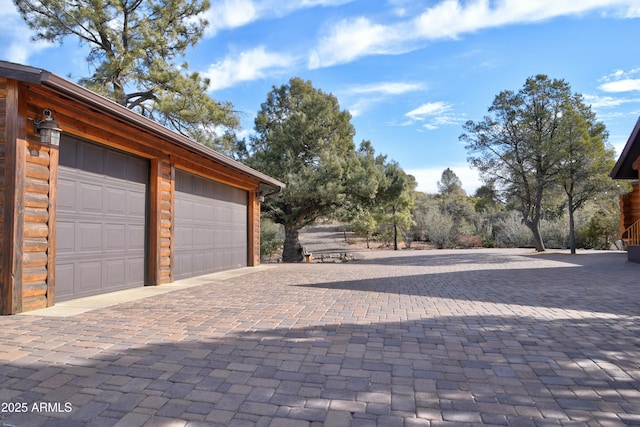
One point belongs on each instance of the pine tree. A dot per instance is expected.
(134, 46)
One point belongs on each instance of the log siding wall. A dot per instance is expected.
(160, 222)
(35, 244)
(630, 203)
(28, 190)
(4, 299)
(630, 207)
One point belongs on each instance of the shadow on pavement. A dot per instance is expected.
(597, 259)
(437, 339)
(466, 369)
(570, 282)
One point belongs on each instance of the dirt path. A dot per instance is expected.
(327, 240)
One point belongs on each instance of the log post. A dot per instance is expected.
(13, 200)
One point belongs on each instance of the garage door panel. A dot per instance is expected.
(90, 237)
(116, 201)
(64, 280)
(90, 158)
(208, 235)
(135, 237)
(184, 182)
(198, 262)
(137, 170)
(183, 263)
(89, 275)
(116, 164)
(66, 199)
(137, 204)
(101, 220)
(68, 152)
(135, 270)
(185, 207)
(210, 226)
(65, 237)
(114, 273)
(116, 237)
(90, 198)
(185, 239)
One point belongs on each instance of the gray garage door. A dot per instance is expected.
(100, 226)
(210, 226)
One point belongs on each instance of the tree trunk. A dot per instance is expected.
(292, 250)
(118, 90)
(395, 231)
(572, 233)
(534, 226)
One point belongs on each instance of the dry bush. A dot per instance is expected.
(469, 241)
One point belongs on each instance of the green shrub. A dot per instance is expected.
(271, 239)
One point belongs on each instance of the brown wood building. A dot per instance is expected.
(628, 168)
(121, 202)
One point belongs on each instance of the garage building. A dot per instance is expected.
(628, 168)
(118, 202)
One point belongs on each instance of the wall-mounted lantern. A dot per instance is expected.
(48, 128)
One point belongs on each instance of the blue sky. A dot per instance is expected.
(411, 72)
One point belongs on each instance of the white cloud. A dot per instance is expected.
(386, 88)
(621, 74)
(227, 14)
(353, 38)
(362, 97)
(625, 85)
(602, 101)
(245, 133)
(224, 14)
(617, 82)
(16, 36)
(619, 145)
(433, 115)
(632, 12)
(292, 4)
(357, 108)
(249, 65)
(429, 109)
(598, 102)
(8, 12)
(427, 178)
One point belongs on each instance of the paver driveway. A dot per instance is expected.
(495, 337)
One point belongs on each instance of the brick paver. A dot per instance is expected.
(419, 338)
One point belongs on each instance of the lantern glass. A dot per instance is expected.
(45, 136)
(55, 137)
(49, 132)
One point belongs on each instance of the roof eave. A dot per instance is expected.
(58, 84)
(23, 73)
(623, 168)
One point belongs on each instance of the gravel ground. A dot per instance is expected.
(330, 242)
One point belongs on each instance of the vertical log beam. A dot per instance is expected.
(13, 226)
(623, 216)
(54, 154)
(153, 254)
(254, 229)
(172, 202)
(160, 222)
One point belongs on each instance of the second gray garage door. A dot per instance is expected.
(210, 226)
